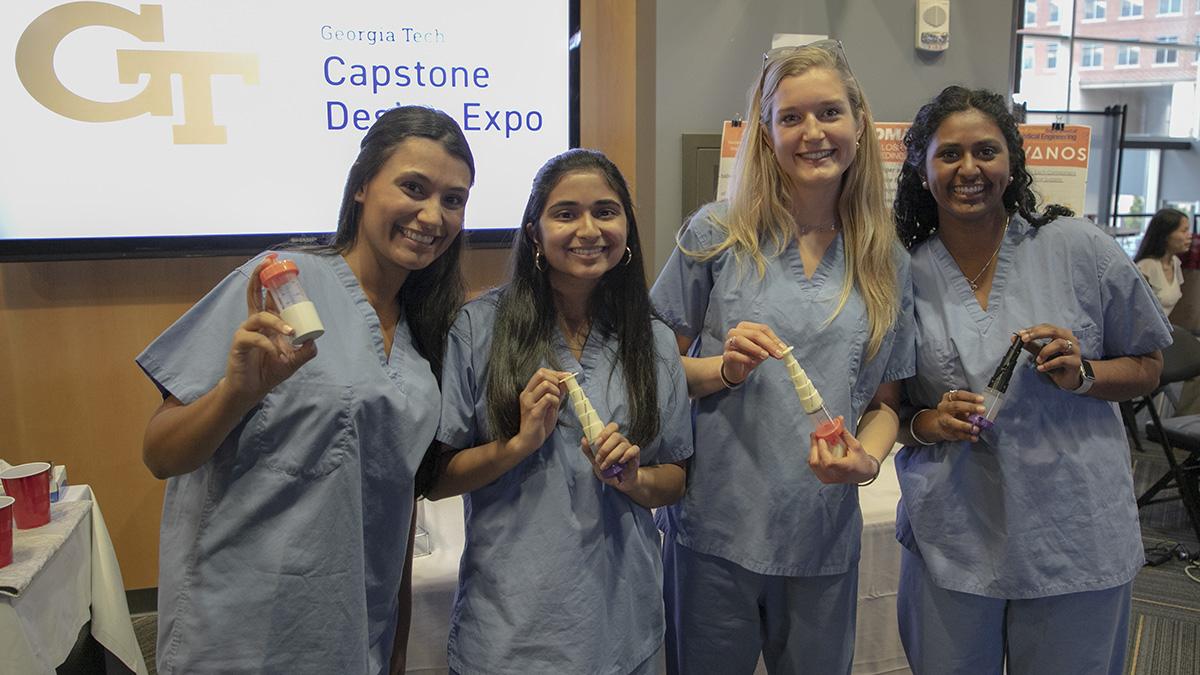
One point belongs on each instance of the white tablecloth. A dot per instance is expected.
(81, 580)
(877, 646)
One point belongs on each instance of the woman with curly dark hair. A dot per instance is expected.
(1029, 522)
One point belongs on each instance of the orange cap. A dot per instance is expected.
(830, 432)
(276, 270)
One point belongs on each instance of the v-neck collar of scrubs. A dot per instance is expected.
(831, 256)
(1017, 227)
(346, 275)
(587, 356)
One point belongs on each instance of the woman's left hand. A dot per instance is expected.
(613, 448)
(857, 466)
(1058, 356)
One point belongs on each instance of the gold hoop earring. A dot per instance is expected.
(628, 256)
(537, 259)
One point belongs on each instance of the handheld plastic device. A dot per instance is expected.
(281, 278)
(993, 396)
(590, 421)
(826, 427)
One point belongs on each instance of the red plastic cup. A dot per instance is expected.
(29, 484)
(6, 527)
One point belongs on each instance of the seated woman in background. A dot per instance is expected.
(561, 570)
(290, 491)
(1030, 528)
(1168, 235)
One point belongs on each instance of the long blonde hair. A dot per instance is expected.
(759, 216)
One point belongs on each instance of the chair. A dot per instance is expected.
(1181, 361)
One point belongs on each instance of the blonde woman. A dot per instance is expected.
(761, 555)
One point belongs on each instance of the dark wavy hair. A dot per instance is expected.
(526, 318)
(430, 297)
(914, 208)
(1154, 242)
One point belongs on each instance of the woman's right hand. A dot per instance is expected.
(540, 402)
(262, 355)
(950, 417)
(746, 346)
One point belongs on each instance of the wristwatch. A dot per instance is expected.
(1086, 377)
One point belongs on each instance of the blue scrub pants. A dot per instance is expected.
(720, 616)
(948, 632)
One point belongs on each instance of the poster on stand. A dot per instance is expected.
(731, 138)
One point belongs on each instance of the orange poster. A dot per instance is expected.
(731, 137)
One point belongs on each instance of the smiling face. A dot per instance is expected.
(582, 230)
(813, 128)
(412, 209)
(967, 168)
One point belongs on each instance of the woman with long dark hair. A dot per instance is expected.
(1023, 524)
(561, 571)
(290, 492)
(1168, 234)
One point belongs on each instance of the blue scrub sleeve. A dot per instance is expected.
(680, 295)
(676, 420)
(902, 362)
(459, 428)
(189, 358)
(1134, 323)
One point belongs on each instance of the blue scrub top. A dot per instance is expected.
(283, 552)
(752, 498)
(1043, 504)
(561, 573)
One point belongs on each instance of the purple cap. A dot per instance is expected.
(980, 421)
(613, 471)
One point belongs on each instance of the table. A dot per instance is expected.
(64, 574)
(877, 644)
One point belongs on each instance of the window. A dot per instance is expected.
(1030, 13)
(1091, 56)
(1128, 56)
(1131, 8)
(1052, 55)
(1196, 54)
(1163, 56)
(1027, 57)
(1055, 18)
(1170, 7)
(1093, 10)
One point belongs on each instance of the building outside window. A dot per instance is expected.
(1159, 91)
(1164, 56)
(1056, 15)
(1127, 57)
(1030, 13)
(1170, 7)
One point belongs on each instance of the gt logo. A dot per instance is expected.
(35, 67)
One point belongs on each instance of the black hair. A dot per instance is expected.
(430, 297)
(526, 318)
(914, 208)
(1154, 242)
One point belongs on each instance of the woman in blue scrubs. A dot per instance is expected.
(1021, 541)
(561, 570)
(290, 491)
(761, 555)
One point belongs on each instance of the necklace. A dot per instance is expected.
(805, 229)
(973, 282)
